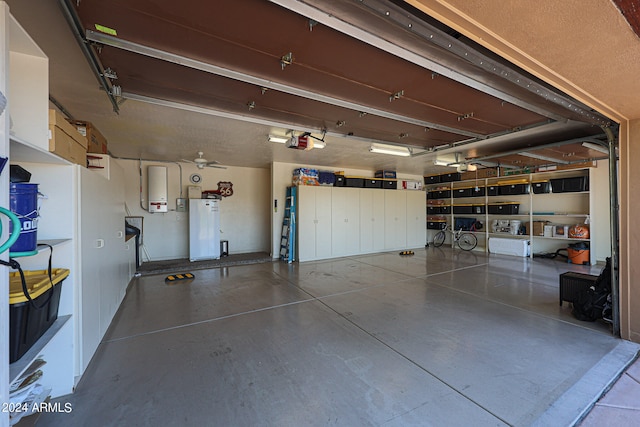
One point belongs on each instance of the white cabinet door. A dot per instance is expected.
(416, 219)
(395, 219)
(345, 221)
(101, 254)
(306, 225)
(91, 256)
(323, 222)
(371, 220)
(314, 223)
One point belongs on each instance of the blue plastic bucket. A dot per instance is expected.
(23, 201)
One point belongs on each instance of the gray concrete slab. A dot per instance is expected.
(443, 337)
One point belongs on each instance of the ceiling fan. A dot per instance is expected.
(201, 162)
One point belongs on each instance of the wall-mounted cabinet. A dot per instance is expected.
(520, 207)
(338, 221)
(81, 216)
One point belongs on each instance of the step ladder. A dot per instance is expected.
(287, 240)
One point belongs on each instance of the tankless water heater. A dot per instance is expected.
(157, 188)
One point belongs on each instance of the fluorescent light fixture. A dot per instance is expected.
(596, 147)
(464, 167)
(453, 164)
(319, 144)
(544, 158)
(278, 139)
(389, 149)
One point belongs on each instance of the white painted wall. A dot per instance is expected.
(281, 178)
(244, 217)
(600, 211)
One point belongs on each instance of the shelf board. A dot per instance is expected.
(560, 215)
(23, 151)
(16, 368)
(562, 238)
(53, 242)
(512, 236)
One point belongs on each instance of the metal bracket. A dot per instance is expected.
(287, 59)
(396, 95)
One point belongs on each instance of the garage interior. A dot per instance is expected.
(362, 340)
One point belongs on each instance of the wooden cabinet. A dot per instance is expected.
(345, 222)
(416, 224)
(102, 256)
(314, 223)
(395, 219)
(371, 221)
(337, 221)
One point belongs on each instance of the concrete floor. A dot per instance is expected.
(442, 338)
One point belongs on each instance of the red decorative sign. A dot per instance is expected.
(225, 188)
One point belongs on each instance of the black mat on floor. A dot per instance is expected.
(183, 264)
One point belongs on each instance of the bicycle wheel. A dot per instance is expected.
(439, 238)
(467, 241)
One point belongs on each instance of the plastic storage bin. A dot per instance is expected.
(439, 194)
(389, 184)
(432, 179)
(513, 189)
(463, 209)
(28, 321)
(372, 183)
(354, 182)
(434, 210)
(462, 192)
(449, 177)
(570, 185)
(506, 208)
(436, 224)
(541, 187)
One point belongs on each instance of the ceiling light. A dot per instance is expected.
(278, 139)
(465, 167)
(319, 144)
(389, 149)
(596, 147)
(440, 162)
(544, 158)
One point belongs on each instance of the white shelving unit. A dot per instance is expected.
(566, 208)
(25, 139)
(82, 217)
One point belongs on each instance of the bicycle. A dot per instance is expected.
(465, 240)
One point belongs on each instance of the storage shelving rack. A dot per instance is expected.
(474, 198)
(27, 142)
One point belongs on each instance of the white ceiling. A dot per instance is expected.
(155, 132)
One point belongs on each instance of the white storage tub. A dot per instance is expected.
(516, 247)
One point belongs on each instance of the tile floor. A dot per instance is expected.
(442, 338)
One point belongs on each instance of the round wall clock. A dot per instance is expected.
(195, 178)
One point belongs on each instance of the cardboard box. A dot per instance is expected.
(65, 141)
(483, 173)
(96, 142)
(412, 185)
(538, 228)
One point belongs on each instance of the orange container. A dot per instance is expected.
(578, 256)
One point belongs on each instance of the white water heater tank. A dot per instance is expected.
(157, 188)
